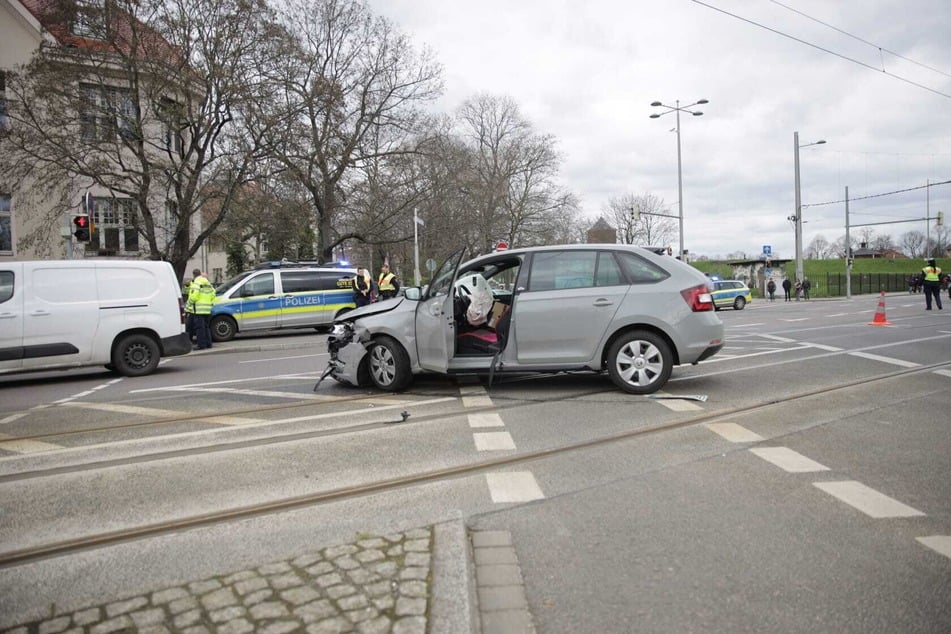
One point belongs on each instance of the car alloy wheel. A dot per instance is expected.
(640, 362)
(388, 365)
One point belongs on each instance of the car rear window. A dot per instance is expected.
(639, 270)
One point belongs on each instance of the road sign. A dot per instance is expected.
(430, 265)
(501, 245)
(767, 249)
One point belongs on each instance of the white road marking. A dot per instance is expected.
(301, 356)
(470, 390)
(162, 413)
(476, 401)
(485, 419)
(273, 394)
(13, 417)
(26, 446)
(800, 319)
(838, 315)
(734, 432)
(788, 460)
(938, 543)
(941, 372)
(893, 361)
(494, 441)
(513, 486)
(824, 347)
(743, 326)
(867, 500)
(778, 338)
(677, 405)
(720, 358)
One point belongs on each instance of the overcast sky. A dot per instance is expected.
(587, 71)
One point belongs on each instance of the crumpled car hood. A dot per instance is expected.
(384, 306)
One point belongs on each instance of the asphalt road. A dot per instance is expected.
(777, 505)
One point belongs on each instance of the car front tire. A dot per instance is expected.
(388, 364)
(136, 355)
(739, 303)
(640, 362)
(223, 328)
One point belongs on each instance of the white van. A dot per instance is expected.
(124, 314)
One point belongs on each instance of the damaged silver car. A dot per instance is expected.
(608, 308)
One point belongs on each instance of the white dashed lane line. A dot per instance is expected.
(734, 432)
(788, 460)
(494, 441)
(514, 486)
(867, 500)
(891, 360)
(485, 419)
(938, 543)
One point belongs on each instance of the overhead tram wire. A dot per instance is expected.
(883, 194)
(824, 50)
(863, 41)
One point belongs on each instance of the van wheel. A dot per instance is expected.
(640, 362)
(389, 365)
(739, 303)
(223, 328)
(136, 355)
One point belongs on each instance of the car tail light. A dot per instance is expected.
(698, 298)
(181, 310)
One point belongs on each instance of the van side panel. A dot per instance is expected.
(61, 314)
(11, 316)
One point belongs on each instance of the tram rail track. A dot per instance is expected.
(98, 540)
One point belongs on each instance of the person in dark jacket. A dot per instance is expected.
(362, 287)
(771, 289)
(787, 286)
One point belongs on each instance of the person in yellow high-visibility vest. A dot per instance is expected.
(201, 295)
(388, 284)
(932, 282)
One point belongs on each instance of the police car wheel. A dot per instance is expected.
(640, 362)
(136, 355)
(223, 328)
(739, 303)
(388, 364)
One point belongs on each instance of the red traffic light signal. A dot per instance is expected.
(82, 228)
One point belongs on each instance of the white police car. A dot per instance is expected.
(730, 293)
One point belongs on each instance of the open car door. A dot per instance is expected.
(435, 322)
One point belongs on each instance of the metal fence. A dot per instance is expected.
(863, 283)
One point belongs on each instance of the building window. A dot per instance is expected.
(171, 115)
(114, 226)
(4, 118)
(90, 20)
(108, 112)
(6, 225)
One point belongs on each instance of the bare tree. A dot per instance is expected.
(913, 244)
(145, 107)
(647, 229)
(882, 243)
(511, 181)
(820, 248)
(865, 236)
(349, 92)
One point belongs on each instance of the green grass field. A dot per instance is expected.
(828, 276)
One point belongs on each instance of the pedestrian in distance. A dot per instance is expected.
(932, 284)
(202, 296)
(189, 310)
(771, 289)
(362, 287)
(806, 285)
(388, 284)
(798, 290)
(787, 285)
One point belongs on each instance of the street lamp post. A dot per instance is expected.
(798, 217)
(680, 181)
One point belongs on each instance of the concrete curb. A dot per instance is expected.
(453, 587)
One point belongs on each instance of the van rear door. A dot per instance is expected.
(11, 316)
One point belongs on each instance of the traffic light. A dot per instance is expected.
(82, 228)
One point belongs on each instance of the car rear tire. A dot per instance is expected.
(223, 328)
(388, 364)
(640, 362)
(739, 303)
(136, 355)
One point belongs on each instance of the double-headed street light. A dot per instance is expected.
(798, 217)
(680, 181)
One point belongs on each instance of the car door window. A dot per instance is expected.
(300, 281)
(639, 270)
(556, 270)
(609, 273)
(260, 285)
(6, 285)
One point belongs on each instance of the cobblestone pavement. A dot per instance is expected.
(376, 584)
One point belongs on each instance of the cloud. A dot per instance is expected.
(587, 72)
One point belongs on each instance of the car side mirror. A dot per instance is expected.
(413, 293)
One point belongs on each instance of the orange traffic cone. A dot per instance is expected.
(880, 314)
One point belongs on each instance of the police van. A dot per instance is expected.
(281, 297)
